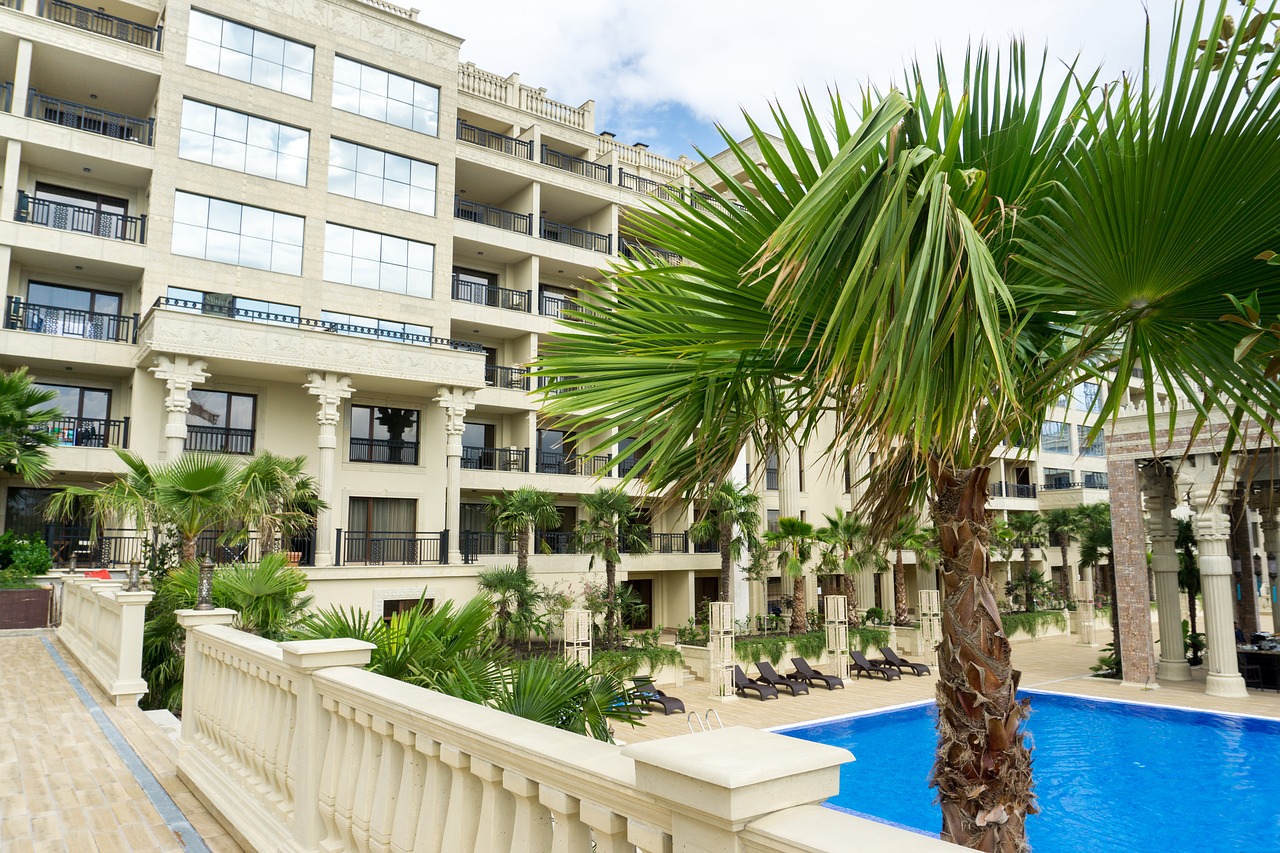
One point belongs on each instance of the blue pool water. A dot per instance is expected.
(1110, 776)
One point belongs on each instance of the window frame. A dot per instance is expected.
(333, 252)
(365, 154)
(184, 130)
(253, 59)
(182, 229)
(226, 430)
(361, 92)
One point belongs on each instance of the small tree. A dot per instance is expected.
(515, 513)
(1064, 525)
(732, 520)
(794, 542)
(610, 528)
(846, 547)
(516, 597)
(1188, 569)
(24, 438)
(277, 498)
(1028, 532)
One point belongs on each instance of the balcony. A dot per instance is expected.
(379, 547)
(495, 459)
(89, 432)
(213, 439)
(554, 542)
(1019, 490)
(90, 119)
(511, 378)
(552, 462)
(577, 237)
(639, 251)
(494, 217)
(664, 543)
(568, 163)
(97, 21)
(1060, 485)
(495, 141)
(475, 543)
(1096, 480)
(478, 293)
(81, 220)
(657, 189)
(122, 546)
(384, 451)
(996, 490)
(70, 322)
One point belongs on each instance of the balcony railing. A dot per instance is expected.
(384, 450)
(1019, 490)
(657, 189)
(213, 439)
(122, 546)
(90, 119)
(591, 466)
(477, 542)
(668, 543)
(495, 459)
(554, 542)
(710, 546)
(97, 21)
(552, 462)
(81, 220)
(550, 305)
(379, 547)
(234, 312)
(639, 251)
(478, 293)
(577, 237)
(1094, 480)
(494, 217)
(495, 141)
(90, 432)
(576, 165)
(996, 490)
(513, 378)
(70, 322)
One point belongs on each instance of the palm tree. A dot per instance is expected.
(277, 498)
(928, 287)
(1095, 550)
(909, 535)
(1063, 525)
(1188, 568)
(516, 596)
(846, 548)
(515, 513)
(610, 527)
(1028, 532)
(732, 519)
(793, 540)
(24, 440)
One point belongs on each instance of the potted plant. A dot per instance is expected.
(23, 604)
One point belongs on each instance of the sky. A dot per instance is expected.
(664, 72)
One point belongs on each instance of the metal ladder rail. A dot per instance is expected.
(693, 715)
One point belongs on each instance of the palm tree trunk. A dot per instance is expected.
(611, 608)
(188, 548)
(1027, 587)
(522, 549)
(849, 589)
(726, 563)
(798, 613)
(1065, 543)
(900, 590)
(1115, 618)
(983, 767)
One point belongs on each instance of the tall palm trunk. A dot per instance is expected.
(1064, 542)
(799, 616)
(1028, 588)
(188, 548)
(849, 589)
(983, 767)
(1115, 617)
(900, 590)
(726, 562)
(522, 549)
(611, 608)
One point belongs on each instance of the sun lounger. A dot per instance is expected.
(741, 683)
(770, 676)
(893, 659)
(809, 675)
(646, 692)
(861, 665)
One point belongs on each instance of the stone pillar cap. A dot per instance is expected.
(322, 654)
(189, 619)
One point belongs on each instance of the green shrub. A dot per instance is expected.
(876, 616)
(626, 661)
(22, 558)
(864, 639)
(752, 649)
(1032, 623)
(693, 634)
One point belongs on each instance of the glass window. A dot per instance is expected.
(231, 140)
(220, 421)
(1057, 478)
(372, 327)
(1097, 448)
(383, 96)
(244, 53)
(384, 434)
(379, 177)
(1085, 396)
(1055, 437)
(378, 261)
(237, 307)
(233, 233)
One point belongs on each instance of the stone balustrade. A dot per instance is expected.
(297, 748)
(102, 628)
(511, 92)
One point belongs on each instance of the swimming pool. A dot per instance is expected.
(1110, 776)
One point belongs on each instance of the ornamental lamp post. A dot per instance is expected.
(204, 587)
(134, 571)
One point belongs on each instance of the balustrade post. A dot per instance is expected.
(608, 828)
(568, 833)
(531, 820)
(192, 665)
(497, 808)
(462, 817)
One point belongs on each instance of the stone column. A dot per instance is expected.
(1240, 546)
(1163, 530)
(456, 402)
(1213, 529)
(1271, 548)
(331, 389)
(180, 374)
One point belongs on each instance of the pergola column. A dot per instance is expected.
(1162, 529)
(330, 389)
(1213, 530)
(180, 374)
(1271, 548)
(456, 402)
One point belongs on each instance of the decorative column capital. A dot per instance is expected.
(456, 402)
(180, 374)
(331, 389)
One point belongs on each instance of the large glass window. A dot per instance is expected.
(384, 434)
(244, 53)
(1057, 478)
(1085, 396)
(74, 312)
(85, 415)
(232, 233)
(1055, 437)
(378, 261)
(377, 176)
(372, 327)
(220, 421)
(1097, 448)
(381, 95)
(232, 140)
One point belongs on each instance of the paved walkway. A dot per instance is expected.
(63, 784)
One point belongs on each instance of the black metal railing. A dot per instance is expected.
(1060, 485)
(481, 293)
(771, 479)
(1020, 490)
(213, 439)
(591, 466)
(709, 546)
(627, 465)
(996, 490)
(235, 312)
(1096, 480)
(382, 547)
(657, 189)
(639, 251)
(97, 21)
(69, 322)
(513, 378)
(384, 450)
(115, 547)
(669, 543)
(576, 165)
(577, 237)
(81, 220)
(494, 217)
(495, 459)
(552, 462)
(554, 542)
(90, 432)
(495, 141)
(550, 305)
(90, 119)
(474, 543)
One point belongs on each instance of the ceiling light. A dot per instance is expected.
(479, 253)
(78, 267)
(87, 170)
